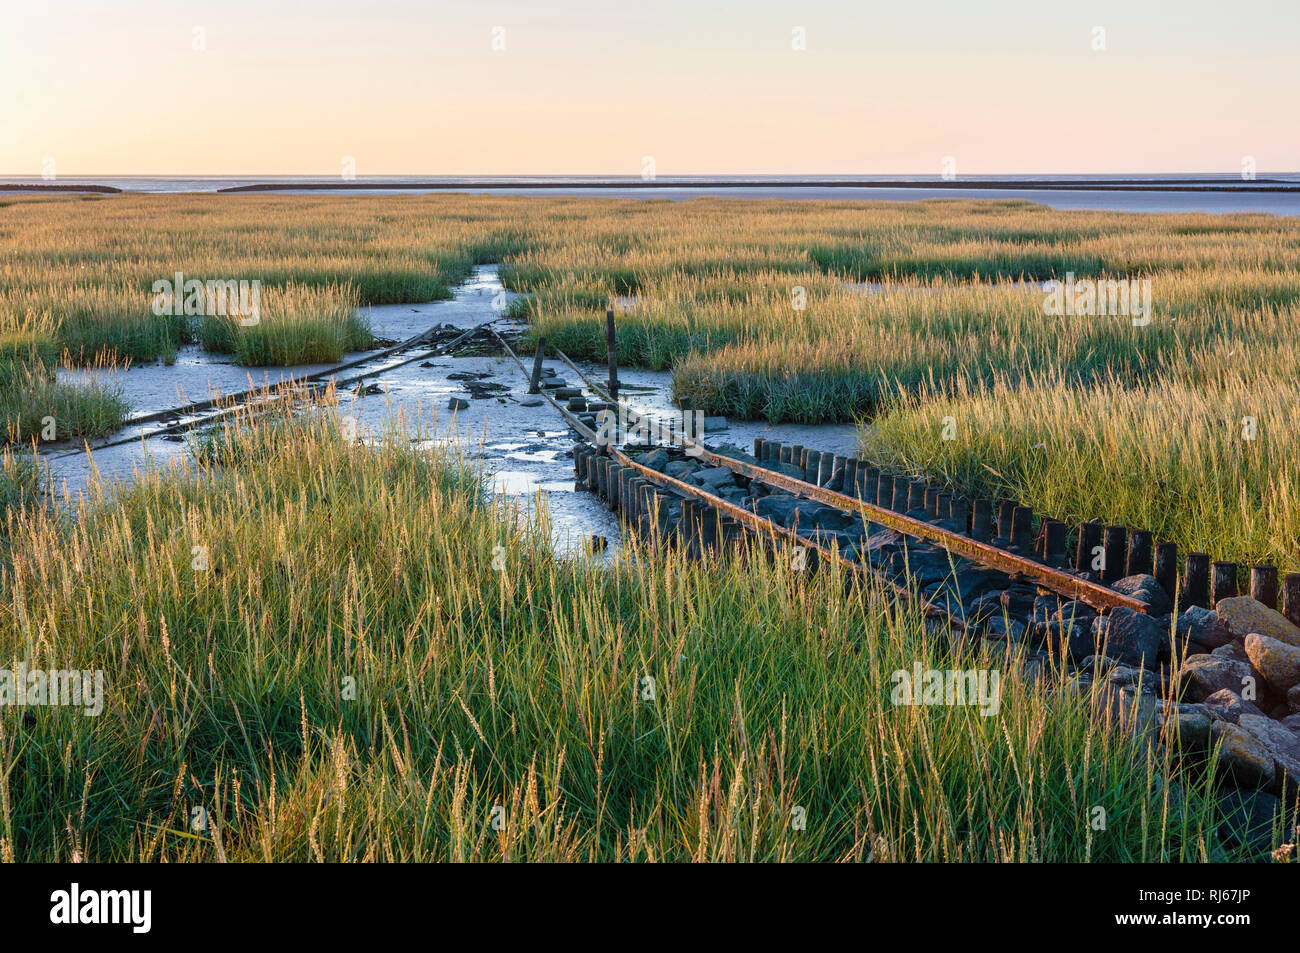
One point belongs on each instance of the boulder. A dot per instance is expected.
(1001, 628)
(1293, 699)
(1069, 640)
(1199, 626)
(1186, 727)
(456, 403)
(1278, 662)
(1227, 705)
(1145, 588)
(1200, 676)
(1234, 650)
(1045, 607)
(713, 477)
(681, 468)
(1129, 637)
(1242, 756)
(807, 514)
(1079, 612)
(1282, 744)
(655, 460)
(1018, 601)
(1242, 615)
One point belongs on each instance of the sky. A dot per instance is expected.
(390, 87)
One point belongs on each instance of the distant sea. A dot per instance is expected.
(1128, 193)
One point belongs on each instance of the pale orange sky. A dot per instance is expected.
(409, 88)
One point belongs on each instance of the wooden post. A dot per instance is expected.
(1089, 540)
(811, 465)
(1022, 521)
(535, 382)
(612, 347)
(982, 521)
(1291, 597)
(1167, 567)
(932, 501)
(1139, 553)
(825, 467)
(884, 490)
(899, 502)
(1225, 581)
(1006, 512)
(1263, 585)
(1113, 541)
(916, 496)
(960, 513)
(1053, 542)
(1196, 580)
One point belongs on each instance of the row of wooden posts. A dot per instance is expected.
(1123, 552)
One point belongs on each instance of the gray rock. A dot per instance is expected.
(1200, 676)
(1227, 705)
(1069, 640)
(1282, 744)
(1018, 601)
(713, 477)
(1292, 722)
(1242, 756)
(1200, 626)
(1293, 699)
(1186, 727)
(531, 402)
(1045, 607)
(1129, 636)
(735, 453)
(456, 403)
(807, 514)
(681, 468)
(1278, 662)
(1003, 628)
(655, 459)
(1145, 588)
(1233, 650)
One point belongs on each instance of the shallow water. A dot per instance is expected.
(526, 452)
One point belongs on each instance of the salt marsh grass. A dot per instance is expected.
(323, 649)
(294, 325)
(1203, 465)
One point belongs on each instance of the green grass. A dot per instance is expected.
(39, 408)
(307, 639)
(297, 324)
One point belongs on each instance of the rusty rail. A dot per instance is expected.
(1065, 583)
(739, 513)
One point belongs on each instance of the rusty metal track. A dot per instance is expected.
(217, 408)
(1094, 594)
(755, 522)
